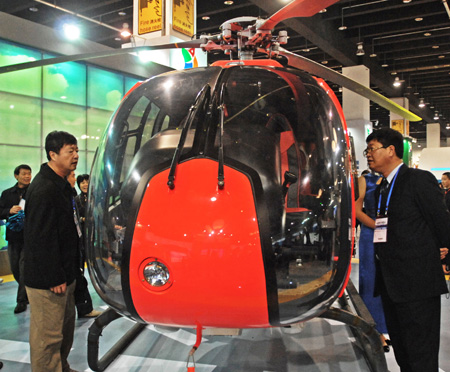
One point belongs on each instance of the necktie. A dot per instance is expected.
(384, 189)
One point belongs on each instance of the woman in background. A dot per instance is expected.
(366, 213)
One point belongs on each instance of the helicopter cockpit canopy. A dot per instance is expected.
(221, 187)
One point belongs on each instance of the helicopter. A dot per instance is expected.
(222, 196)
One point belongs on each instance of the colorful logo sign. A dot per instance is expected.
(190, 60)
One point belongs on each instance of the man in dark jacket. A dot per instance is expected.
(11, 202)
(412, 225)
(51, 256)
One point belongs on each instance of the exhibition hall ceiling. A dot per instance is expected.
(404, 39)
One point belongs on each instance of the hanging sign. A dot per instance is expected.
(183, 16)
(149, 16)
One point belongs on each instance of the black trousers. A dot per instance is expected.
(414, 330)
(83, 300)
(16, 261)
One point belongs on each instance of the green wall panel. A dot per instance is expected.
(20, 120)
(105, 89)
(65, 82)
(62, 116)
(26, 82)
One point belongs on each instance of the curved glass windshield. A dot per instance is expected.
(278, 127)
(285, 127)
(155, 110)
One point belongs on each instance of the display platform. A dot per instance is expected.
(320, 345)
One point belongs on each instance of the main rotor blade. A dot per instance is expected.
(298, 8)
(93, 55)
(315, 68)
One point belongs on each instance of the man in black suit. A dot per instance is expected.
(412, 225)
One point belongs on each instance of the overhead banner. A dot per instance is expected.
(150, 16)
(183, 16)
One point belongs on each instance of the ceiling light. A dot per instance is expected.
(440, 57)
(125, 33)
(323, 11)
(33, 9)
(436, 115)
(206, 18)
(393, 73)
(406, 1)
(122, 13)
(418, 19)
(397, 82)
(360, 50)
(324, 62)
(426, 34)
(342, 28)
(435, 46)
(373, 55)
(228, 2)
(421, 103)
(71, 31)
(448, 126)
(384, 65)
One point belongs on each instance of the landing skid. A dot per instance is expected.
(361, 323)
(95, 331)
(362, 326)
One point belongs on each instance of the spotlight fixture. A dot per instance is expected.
(206, 18)
(406, 1)
(448, 126)
(125, 31)
(229, 2)
(71, 31)
(397, 82)
(33, 9)
(421, 103)
(342, 27)
(360, 50)
(436, 115)
(122, 13)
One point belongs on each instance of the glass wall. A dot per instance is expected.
(73, 97)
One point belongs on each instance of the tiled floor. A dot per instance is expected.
(320, 346)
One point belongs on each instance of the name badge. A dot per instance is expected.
(380, 233)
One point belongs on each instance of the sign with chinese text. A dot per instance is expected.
(183, 16)
(149, 16)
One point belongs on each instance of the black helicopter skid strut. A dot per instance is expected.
(362, 326)
(95, 331)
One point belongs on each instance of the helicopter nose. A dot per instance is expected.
(200, 246)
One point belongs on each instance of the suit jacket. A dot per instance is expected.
(418, 225)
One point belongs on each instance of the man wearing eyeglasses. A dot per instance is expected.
(412, 225)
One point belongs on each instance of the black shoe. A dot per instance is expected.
(386, 348)
(388, 342)
(20, 308)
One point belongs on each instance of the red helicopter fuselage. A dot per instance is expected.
(221, 197)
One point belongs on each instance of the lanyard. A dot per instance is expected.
(391, 187)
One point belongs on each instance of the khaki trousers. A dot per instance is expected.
(52, 325)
